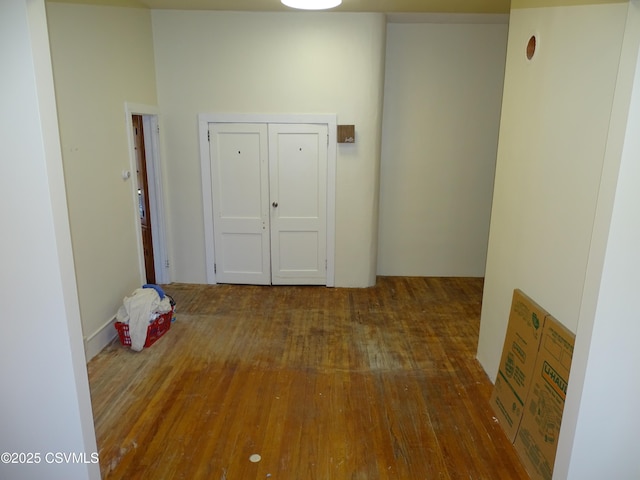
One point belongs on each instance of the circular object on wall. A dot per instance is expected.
(531, 47)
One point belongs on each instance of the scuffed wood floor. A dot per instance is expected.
(360, 384)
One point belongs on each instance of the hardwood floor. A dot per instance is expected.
(322, 383)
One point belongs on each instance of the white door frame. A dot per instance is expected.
(204, 119)
(151, 126)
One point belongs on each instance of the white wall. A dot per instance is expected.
(603, 376)
(45, 401)
(442, 97)
(102, 57)
(276, 63)
(611, 380)
(555, 120)
(564, 222)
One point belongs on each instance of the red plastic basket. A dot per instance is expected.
(156, 329)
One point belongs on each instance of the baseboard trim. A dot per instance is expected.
(94, 343)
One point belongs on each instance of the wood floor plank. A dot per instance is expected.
(322, 383)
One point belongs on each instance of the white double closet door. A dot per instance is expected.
(269, 195)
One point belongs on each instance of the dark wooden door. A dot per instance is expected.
(143, 198)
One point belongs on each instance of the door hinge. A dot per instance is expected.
(208, 136)
(158, 129)
(215, 268)
(327, 139)
(325, 265)
(166, 263)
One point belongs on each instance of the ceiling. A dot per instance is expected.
(384, 6)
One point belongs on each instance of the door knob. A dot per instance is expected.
(275, 204)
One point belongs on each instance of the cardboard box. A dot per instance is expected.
(519, 353)
(537, 438)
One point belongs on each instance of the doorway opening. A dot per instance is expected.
(147, 190)
(143, 198)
